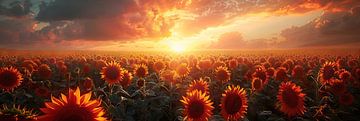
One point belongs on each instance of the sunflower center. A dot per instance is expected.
(257, 83)
(232, 103)
(199, 87)
(290, 98)
(112, 73)
(8, 78)
(328, 72)
(74, 113)
(196, 109)
(222, 75)
(141, 72)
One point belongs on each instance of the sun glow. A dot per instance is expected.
(177, 48)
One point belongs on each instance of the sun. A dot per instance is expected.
(177, 48)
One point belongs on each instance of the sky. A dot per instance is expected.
(178, 24)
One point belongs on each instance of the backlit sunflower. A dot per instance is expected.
(291, 99)
(44, 71)
(74, 107)
(158, 66)
(168, 75)
(197, 105)
(9, 78)
(233, 103)
(280, 74)
(204, 64)
(200, 85)
(257, 84)
(222, 74)
(127, 78)
(327, 72)
(260, 72)
(141, 70)
(182, 70)
(111, 73)
(298, 72)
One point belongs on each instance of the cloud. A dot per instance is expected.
(78, 9)
(133, 20)
(235, 40)
(332, 28)
(16, 8)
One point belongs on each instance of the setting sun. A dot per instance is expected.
(177, 48)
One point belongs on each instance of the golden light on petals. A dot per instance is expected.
(200, 85)
(234, 103)
(182, 70)
(197, 105)
(327, 72)
(222, 74)
(291, 99)
(111, 73)
(73, 107)
(9, 78)
(141, 70)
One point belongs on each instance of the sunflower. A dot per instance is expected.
(127, 78)
(257, 84)
(141, 70)
(111, 73)
(298, 72)
(345, 76)
(270, 72)
(140, 82)
(74, 107)
(222, 74)
(158, 66)
(291, 99)
(204, 64)
(182, 70)
(233, 64)
(234, 103)
(88, 83)
(197, 106)
(219, 64)
(168, 75)
(29, 65)
(260, 72)
(44, 71)
(280, 74)
(200, 85)
(327, 72)
(9, 78)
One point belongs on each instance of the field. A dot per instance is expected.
(255, 85)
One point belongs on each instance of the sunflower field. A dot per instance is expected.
(292, 85)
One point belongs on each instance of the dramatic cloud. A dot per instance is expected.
(30, 22)
(235, 40)
(16, 8)
(332, 28)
